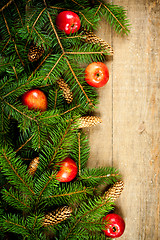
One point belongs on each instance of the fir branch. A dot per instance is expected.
(28, 140)
(97, 176)
(6, 5)
(6, 25)
(81, 87)
(87, 212)
(14, 223)
(15, 172)
(58, 39)
(54, 66)
(18, 13)
(15, 199)
(115, 15)
(71, 194)
(44, 183)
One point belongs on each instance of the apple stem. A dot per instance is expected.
(114, 229)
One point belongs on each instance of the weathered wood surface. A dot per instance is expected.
(129, 137)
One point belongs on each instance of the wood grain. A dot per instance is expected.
(129, 137)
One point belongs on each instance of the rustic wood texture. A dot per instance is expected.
(129, 136)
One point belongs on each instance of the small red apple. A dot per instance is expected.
(116, 225)
(68, 21)
(35, 99)
(68, 170)
(96, 74)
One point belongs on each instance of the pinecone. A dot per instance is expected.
(92, 38)
(57, 216)
(35, 53)
(115, 191)
(89, 121)
(33, 165)
(66, 90)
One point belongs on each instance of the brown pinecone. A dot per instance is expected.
(92, 38)
(33, 166)
(89, 121)
(57, 216)
(35, 53)
(114, 192)
(67, 94)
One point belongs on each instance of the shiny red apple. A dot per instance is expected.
(68, 170)
(115, 227)
(96, 74)
(35, 99)
(68, 21)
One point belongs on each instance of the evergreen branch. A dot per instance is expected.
(97, 176)
(88, 211)
(46, 182)
(14, 69)
(68, 194)
(61, 141)
(54, 66)
(39, 65)
(38, 35)
(13, 169)
(14, 223)
(25, 85)
(37, 19)
(15, 199)
(112, 14)
(71, 193)
(18, 12)
(98, 9)
(6, 5)
(59, 114)
(18, 53)
(6, 25)
(6, 44)
(22, 113)
(78, 4)
(58, 39)
(81, 87)
(24, 144)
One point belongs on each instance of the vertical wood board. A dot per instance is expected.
(129, 137)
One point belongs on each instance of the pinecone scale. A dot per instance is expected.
(57, 216)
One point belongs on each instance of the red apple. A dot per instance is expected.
(115, 227)
(68, 170)
(96, 74)
(68, 22)
(35, 99)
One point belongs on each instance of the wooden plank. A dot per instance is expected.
(129, 137)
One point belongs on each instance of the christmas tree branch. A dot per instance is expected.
(54, 66)
(15, 199)
(19, 13)
(72, 195)
(6, 25)
(101, 4)
(87, 212)
(50, 19)
(6, 5)
(16, 225)
(70, 67)
(60, 142)
(13, 169)
(23, 145)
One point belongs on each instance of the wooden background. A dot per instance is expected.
(129, 137)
